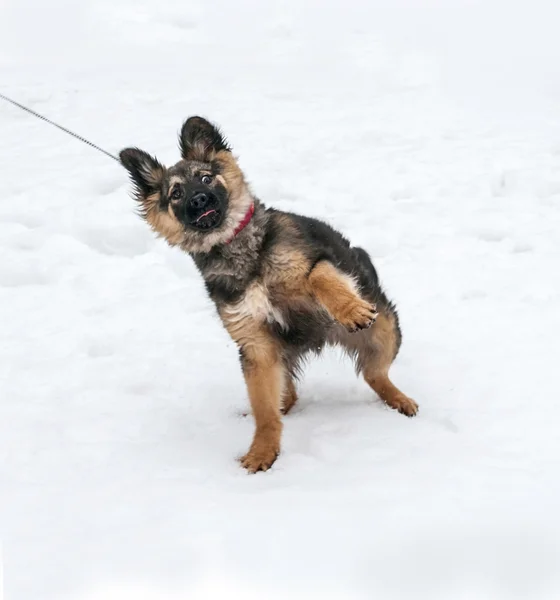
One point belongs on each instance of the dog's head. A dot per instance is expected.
(200, 201)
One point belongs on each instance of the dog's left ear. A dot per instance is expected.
(200, 140)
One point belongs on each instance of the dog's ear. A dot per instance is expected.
(145, 172)
(200, 140)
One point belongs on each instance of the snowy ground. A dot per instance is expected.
(431, 136)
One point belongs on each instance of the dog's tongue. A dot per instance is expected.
(208, 212)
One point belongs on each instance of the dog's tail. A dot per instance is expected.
(377, 294)
(365, 263)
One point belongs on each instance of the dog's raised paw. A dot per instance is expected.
(359, 315)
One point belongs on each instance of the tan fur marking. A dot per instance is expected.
(385, 339)
(173, 181)
(376, 371)
(265, 378)
(264, 384)
(163, 223)
(337, 293)
(152, 201)
(222, 180)
(286, 271)
(285, 277)
(391, 395)
(231, 173)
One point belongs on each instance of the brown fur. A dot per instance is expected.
(163, 223)
(265, 377)
(284, 285)
(376, 369)
(337, 293)
(285, 275)
(232, 174)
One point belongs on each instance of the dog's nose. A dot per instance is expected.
(199, 200)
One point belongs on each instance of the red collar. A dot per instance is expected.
(244, 222)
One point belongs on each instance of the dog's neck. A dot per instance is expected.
(249, 231)
(235, 262)
(244, 222)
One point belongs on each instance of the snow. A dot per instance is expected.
(429, 133)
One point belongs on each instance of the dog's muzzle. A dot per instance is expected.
(203, 211)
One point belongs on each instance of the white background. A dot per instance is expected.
(429, 133)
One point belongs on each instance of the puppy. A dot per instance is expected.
(284, 285)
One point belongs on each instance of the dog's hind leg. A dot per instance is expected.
(289, 397)
(375, 358)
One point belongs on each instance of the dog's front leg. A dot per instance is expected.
(265, 377)
(338, 294)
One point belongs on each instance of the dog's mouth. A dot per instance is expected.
(204, 211)
(208, 219)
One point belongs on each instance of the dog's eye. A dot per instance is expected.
(176, 193)
(206, 179)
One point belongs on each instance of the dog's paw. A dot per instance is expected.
(358, 315)
(404, 405)
(260, 457)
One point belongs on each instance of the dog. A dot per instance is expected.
(284, 285)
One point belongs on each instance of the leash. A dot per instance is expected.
(78, 137)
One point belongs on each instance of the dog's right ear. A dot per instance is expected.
(146, 173)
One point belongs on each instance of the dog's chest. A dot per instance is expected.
(255, 305)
